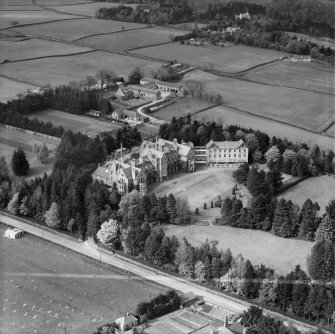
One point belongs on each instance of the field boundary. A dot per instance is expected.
(291, 183)
(39, 134)
(39, 23)
(49, 56)
(18, 80)
(111, 33)
(148, 46)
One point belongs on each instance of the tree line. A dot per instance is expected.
(162, 12)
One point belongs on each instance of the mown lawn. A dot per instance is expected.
(257, 246)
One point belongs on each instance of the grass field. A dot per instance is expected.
(10, 89)
(257, 246)
(314, 76)
(64, 289)
(28, 17)
(230, 116)
(311, 110)
(73, 29)
(75, 122)
(318, 189)
(19, 8)
(230, 59)
(128, 40)
(180, 108)
(11, 140)
(88, 9)
(199, 187)
(35, 48)
(61, 70)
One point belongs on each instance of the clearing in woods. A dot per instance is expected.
(64, 289)
(11, 140)
(227, 59)
(127, 40)
(61, 70)
(315, 76)
(318, 189)
(311, 110)
(74, 29)
(259, 247)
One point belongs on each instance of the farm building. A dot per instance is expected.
(124, 94)
(165, 86)
(149, 93)
(126, 323)
(243, 16)
(222, 154)
(301, 59)
(125, 114)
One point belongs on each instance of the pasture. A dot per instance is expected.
(75, 29)
(60, 70)
(311, 110)
(180, 108)
(229, 59)
(128, 40)
(202, 186)
(230, 116)
(315, 76)
(77, 123)
(318, 189)
(257, 246)
(10, 89)
(87, 9)
(29, 17)
(47, 288)
(11, 140)
(35, 47)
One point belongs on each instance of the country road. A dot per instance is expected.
(88, 249)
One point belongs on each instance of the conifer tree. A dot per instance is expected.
(326, 230)
(308, 220)
(20, 164)
(171, 208)
(256, 182)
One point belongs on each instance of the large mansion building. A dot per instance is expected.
(222, 153)
(157, 161)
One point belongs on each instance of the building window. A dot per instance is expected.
(234, 155)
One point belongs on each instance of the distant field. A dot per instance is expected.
(78, 28)
(28, 17)
(314, 76)
(35, 48)
(180, 108)
(89, 8)
(318, 189)
(331, 131)
(75, 122)
(134, 39)
(9, 89)
(311, 110)
(257, 246)
(64, 290)
(229, 59)
(61, 70)
(199, 187)
(20, 8)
